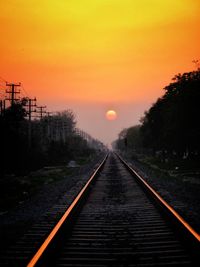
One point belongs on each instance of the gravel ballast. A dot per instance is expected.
(18, 221)
(181, 194)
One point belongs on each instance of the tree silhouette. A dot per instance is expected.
(172, 123)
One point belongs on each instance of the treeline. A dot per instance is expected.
(52, 139)
(171, 126)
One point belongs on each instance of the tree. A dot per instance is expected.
(133, 137)
(129, 138)
(171, 123)
(14, 136)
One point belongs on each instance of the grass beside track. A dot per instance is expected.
(14, 190)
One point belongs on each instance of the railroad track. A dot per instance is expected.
(118, 220)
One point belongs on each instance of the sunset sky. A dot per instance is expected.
(95, 55)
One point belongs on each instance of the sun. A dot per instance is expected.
(111, 115)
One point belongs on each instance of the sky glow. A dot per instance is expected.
(92, 55)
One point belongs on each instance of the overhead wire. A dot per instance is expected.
(3, 79)
(27, 95)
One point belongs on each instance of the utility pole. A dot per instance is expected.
(49, 125)
(12, 92)
(41, 111)
(31, 104)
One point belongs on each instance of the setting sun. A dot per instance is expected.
(94, 55)
(111, 115)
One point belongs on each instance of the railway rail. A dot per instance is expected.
(117, 219)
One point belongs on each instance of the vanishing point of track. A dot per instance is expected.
(118, 220)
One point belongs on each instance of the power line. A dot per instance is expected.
(25, 91)
(3, 79)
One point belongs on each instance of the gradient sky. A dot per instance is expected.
(95, 55)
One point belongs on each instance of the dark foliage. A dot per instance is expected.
(172, 122)
(28, 145)
(171, 125)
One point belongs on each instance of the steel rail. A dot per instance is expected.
(60, 223)
(169, 208)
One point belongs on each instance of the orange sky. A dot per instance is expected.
(93, 55)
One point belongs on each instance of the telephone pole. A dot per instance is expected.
(31, 103)
(49, 125)
(13, 92)
(41, 111)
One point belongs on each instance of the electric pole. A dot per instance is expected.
(31, 104)
(41, 111)
(13, 92)
(49, 125)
